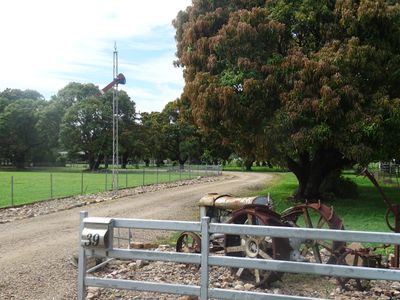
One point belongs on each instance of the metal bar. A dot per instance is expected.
(230, 294)
(378, 188)
(119, 234)
(99, 265)
(155, 224)
(105, 182)
(51, 185)
(205, 242)
(188, 258)
(12, 191)
(307, 233)
(309, 268)
(82, 183)
(81, 260)
(129, 237)
(178, 289)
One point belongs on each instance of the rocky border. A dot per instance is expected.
(222, 277)
(50, 206)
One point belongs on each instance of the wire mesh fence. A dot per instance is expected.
(388, 172)
(19, 188)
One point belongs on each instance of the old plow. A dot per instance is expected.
(260, 210)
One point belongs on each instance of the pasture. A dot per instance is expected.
(24, 187)
(365, 212)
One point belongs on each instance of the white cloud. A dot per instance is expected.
(50, 43)
(159, 70)
(158, 97)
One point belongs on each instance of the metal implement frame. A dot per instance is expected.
(391, 208)
(205, 260)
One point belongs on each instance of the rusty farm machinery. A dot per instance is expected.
(260, 210)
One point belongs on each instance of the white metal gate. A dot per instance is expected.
(96, 239)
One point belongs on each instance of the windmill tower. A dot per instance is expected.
(115, 117)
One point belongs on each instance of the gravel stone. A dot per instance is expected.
(221, 277)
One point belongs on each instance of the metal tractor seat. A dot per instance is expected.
(228, 202)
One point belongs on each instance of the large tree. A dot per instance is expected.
(309, 84)
(87, 123)
(152, 137)
(19, 140)
(86, 127)
(182, 140)
(18, 135)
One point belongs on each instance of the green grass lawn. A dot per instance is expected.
(23, 187)
(363, 213)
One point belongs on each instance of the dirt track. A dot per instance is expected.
(35, 253)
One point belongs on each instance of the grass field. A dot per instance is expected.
(364, 213)
(23, 187)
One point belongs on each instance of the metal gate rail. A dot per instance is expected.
(96, 239)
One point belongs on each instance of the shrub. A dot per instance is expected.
(339, 186)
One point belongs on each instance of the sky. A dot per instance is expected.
(50, 43)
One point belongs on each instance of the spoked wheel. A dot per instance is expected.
(188, 242)
(263, 247)
(315, 215)
(353, 258)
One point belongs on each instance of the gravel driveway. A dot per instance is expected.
(35, 253)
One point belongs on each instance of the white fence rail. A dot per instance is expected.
(96, 239)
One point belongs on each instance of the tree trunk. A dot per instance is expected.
(106, 162)
(248, 163)
(91, 162)
(98, 162)
(124, 162)
(159, 162)
(19, 161)
(182, 163)
(311, 173)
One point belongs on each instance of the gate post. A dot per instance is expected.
(205, 241)
(81, 260)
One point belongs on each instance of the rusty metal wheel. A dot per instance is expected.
(188, 242)
(353, 258)
(265, 247)
(314, 215)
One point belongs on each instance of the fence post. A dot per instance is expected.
(82, 183)
(81, 260)
(205, 242)
(143, 176)
(51, 185)
(105, 184)
(157, 176)
(126, 179)
(12, 191)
